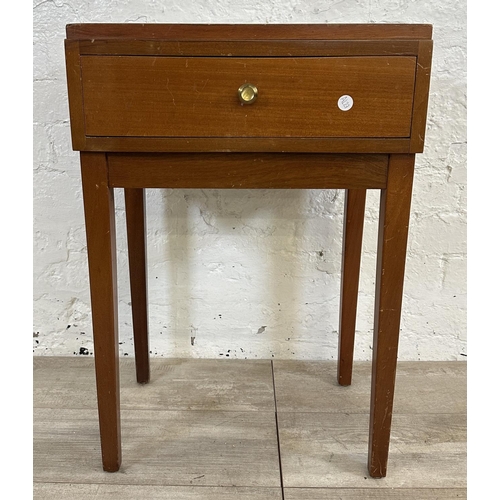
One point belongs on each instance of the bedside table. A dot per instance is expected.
(248, 106)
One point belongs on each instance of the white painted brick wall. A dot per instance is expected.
(252, 274)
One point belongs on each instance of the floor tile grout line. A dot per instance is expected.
(163, 410)
(366, 412)
(277, 432)
(228, 486)
(160, 485)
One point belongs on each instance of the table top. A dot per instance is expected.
(250, 31)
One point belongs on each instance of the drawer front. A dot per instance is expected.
(145, 96)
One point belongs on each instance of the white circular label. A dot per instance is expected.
(345, 103)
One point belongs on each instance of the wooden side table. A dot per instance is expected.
(248, 106)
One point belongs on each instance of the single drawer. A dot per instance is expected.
(149, 96)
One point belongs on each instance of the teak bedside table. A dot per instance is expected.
(248, 106)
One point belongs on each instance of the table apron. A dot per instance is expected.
(247, 170)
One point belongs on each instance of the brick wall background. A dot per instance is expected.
(252, 274)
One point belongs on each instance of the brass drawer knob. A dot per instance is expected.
(248, 93)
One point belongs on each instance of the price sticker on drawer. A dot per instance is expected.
(345, 102)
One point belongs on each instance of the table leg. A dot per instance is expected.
(354, 214)
(395, 203)
(101, 247)
(136, 236)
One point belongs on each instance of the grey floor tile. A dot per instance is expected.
(54, 491)
(176, 384)
(375, 494)
(211, 448)
(331, 449)
(206, 429)
(421, 387)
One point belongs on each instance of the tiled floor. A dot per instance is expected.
(230, 429)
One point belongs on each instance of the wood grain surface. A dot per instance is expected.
(421, 101)
(245, 48)
(135, 211)
(99, 208)
(243, 144)
(352, 239)
(150, 109)
(197, 97)
(75, 97)
(132, 88)
(246, 170)
(395, 203)
(155, 31)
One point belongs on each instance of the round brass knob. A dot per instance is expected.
(248, 93)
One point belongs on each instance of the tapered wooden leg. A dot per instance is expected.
(354, 215)
(136, 235)
(395, 203)
(101, 246)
